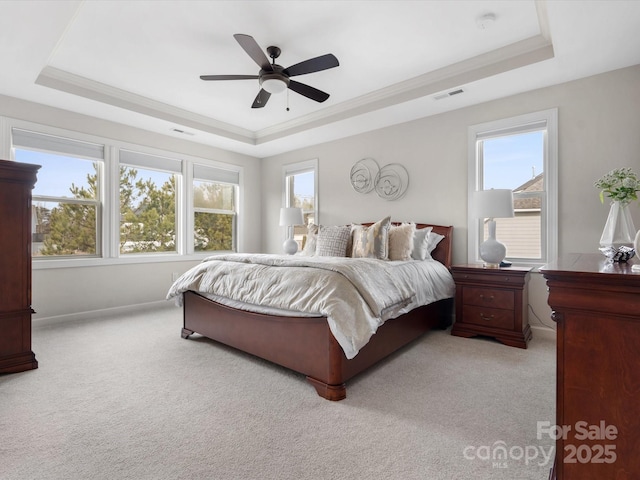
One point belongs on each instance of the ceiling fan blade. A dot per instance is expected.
(261, 99)
(312, 65)
(228, 77)
(252, 48)
(307, 91)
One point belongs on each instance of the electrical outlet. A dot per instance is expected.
(174, 276)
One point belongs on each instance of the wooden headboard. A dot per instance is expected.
(443, 250)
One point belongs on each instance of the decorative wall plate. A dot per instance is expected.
(363, 175)
(392, 181)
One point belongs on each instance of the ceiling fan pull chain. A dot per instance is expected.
(287, 99)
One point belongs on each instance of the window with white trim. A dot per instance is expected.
(300, 190)
(148, 203)
(66, 205)
(215, 200)
(519, 154)
(100, 201)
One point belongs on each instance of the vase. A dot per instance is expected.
(618, 236)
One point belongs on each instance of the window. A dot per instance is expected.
(215, 199)
(100, 201)
(148, 207)
(519, 154)
(66, 205)
(300, 190)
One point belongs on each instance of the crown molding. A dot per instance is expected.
(83, 87)
(525, 52)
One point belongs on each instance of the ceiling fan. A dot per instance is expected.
(273, 78)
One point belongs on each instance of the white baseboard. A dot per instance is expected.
(543, 328)
(96, 314)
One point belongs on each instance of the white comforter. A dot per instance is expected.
(356, 295)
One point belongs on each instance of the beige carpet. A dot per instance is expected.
(126, 398)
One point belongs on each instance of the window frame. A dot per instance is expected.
(546, 120)
(217, 176)
(298, 168)
(98, 202)
(135, 158)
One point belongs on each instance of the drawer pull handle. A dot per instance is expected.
(484, 317)
(483, 298)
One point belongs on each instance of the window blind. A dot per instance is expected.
(52, 143)
(214, 174)
(516, 130)
(154, 162)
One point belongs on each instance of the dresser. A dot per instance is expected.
(596, 305)
(492, 302)
(16, 182)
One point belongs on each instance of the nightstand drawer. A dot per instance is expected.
(492, 277)
(488, 317)
(485, 297)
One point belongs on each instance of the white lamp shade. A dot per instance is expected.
(291, 216)
(494, 203)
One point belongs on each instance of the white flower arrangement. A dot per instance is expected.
(620, 185)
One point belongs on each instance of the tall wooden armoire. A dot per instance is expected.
(16, 182)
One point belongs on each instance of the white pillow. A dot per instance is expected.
(420, 244)
(433, 239)
(401, 241)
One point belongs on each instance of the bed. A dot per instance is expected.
(308, 342)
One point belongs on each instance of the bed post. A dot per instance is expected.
(330, 392)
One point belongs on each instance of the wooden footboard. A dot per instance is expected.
(306, 344)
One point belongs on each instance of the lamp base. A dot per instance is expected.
(290, 246)
(491, 250)
(491, 265)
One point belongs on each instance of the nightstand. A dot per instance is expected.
(492, 302)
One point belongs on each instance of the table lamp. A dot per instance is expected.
(494, 203)
(290, 216)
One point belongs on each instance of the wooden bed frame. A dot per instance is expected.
(306, 344)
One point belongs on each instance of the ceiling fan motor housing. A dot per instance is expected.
(274, 81)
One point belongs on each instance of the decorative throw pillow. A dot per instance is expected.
(373, 241)
(401, 241)
(420, 244)
(311, 241)
(332, 241)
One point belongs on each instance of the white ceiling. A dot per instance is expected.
(139, 62)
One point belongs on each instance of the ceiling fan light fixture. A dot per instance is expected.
(274, 84)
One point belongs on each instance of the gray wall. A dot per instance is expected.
(599, 129)
(599, 121)
(69, 291)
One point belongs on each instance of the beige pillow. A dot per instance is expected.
(401, 241)
(311, 241)
(373, 241)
